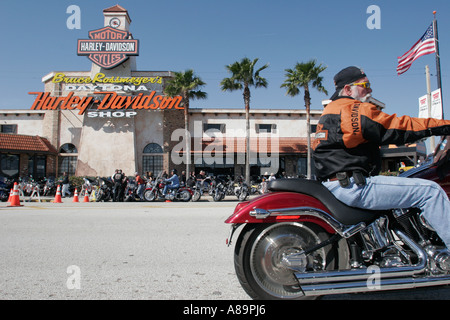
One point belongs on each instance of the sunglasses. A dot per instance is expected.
(366, 85)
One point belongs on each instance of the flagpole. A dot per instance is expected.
(427, 73)
(438, 60)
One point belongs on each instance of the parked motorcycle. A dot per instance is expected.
(88, 185)
(5, 188)
(130, 193)
(255, 187)
(298, 241)
(241, 191)
(200, 188)
(155, 191)
(105, 191)
(219, 189)
(50, 187)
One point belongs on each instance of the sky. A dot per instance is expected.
(207, 35)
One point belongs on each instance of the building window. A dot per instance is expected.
(302, 167)
(37, 166)
(68, 156)
(68, 148)
(153, 148)
(152, 159)
(214, 127)
(265, 128)
(9, 165)
(67, 164)
(8, 128)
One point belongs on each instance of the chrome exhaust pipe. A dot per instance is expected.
(348, 281)
(364, 274)
(364, 287)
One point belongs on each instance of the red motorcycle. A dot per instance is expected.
(298, 241)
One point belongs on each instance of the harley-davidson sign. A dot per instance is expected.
(106, 101)
(108, 47)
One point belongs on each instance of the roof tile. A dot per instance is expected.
(19, 142)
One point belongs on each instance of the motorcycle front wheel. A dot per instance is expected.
(100, 196)
(243, 195)
(218, 195)
(260, 258)
(4, 196)
(196, 196)
(149, 195)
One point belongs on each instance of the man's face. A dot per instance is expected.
(360, 90)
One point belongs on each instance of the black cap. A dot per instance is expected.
(346, 76)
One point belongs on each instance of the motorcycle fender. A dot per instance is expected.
(280, 200)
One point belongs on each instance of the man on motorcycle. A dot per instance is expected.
(347, 153)
(171, 183)
(202, 178)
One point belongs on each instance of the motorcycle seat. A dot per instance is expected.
(341, 212)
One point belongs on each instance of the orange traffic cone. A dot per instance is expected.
(75, 196)
(58, 195)
(15, 199)
(86, 197)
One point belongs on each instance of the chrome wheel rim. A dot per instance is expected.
(268, 259)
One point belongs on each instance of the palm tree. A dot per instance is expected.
(299, 78)
(243, 76)
(187, 85)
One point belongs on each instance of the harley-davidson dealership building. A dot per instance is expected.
(89, 123)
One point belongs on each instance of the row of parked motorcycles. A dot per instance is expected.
(216, 187)
(194, 190)
(28, 185)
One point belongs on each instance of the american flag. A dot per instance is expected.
(425, 45)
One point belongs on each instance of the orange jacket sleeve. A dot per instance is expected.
(364, 122)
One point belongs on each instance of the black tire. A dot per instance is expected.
(243, 195)
(258, 258)
(100, 196)
(149, 195)
(218, 195)
(197, 195)
(185, 195)
(4, 196)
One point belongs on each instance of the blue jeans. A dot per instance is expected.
(387, 192)
(168, 186)
(140, 191)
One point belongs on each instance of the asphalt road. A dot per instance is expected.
(136, 251)
(117, 251)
